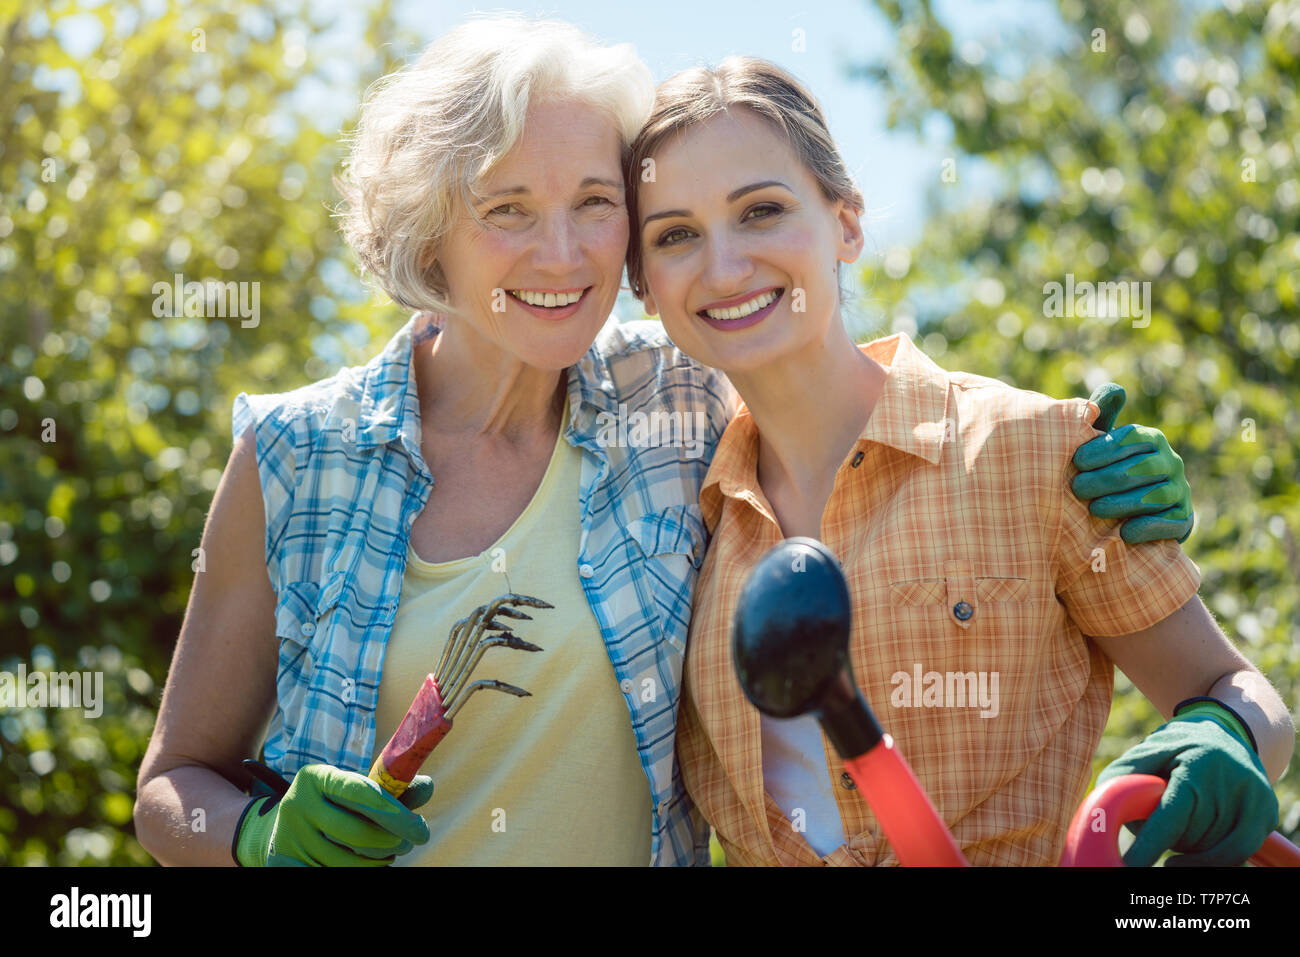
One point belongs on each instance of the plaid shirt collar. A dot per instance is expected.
(390, 404)
(911, 416)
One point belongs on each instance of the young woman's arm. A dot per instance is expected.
(1187, 656)
(220, 691)
(1217, 755)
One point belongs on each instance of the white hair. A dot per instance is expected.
(429, 132)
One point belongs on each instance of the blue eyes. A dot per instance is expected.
(767, 209)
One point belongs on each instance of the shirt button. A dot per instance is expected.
(586, 571)
(963, 611)
(857, 459)
(308, 628)
(847, 782)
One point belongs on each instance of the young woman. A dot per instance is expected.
(944, 496)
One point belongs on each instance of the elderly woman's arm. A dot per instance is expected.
(219, 696)
(221, 688)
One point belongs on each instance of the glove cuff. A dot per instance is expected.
(1214, 708)
(252, 838)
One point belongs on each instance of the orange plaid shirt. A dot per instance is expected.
(956, 491)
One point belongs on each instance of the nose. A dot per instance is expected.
(559, 246)
(727, 266)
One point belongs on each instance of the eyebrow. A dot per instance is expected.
(734, 195)
(523, 190)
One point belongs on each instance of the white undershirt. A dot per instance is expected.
(795, 774)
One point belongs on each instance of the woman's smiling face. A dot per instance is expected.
(739, 245)
(552, 227)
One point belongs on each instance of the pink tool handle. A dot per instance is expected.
(1132, 797)
(910, 822)
(422, 727)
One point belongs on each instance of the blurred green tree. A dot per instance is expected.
(170, 145)
(1154, 144)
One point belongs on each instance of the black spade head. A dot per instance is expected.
(791, 635)
(790, 643)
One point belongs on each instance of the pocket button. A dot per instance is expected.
(308, 629)
(963, 611)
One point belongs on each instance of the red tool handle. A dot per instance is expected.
(910, 822)
(1093, 837)
(422, 727)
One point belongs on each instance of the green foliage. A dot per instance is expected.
(175, 152)
(1163, 149)
(174, 148)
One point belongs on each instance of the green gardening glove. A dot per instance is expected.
(1132, 473)
(332, 818)
(1218, 807)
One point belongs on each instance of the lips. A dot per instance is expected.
(742, 305)
(753, 318)
(550, 298)
(550, 312)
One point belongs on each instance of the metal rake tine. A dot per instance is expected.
(465, 647)
(449, 650)
(519, 643)
(515, 599)
(512, 613)
(481, 618)
(458, 678)
(492, 684)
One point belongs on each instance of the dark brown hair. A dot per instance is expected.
(693, 96)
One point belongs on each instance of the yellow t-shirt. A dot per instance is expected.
(554, 778)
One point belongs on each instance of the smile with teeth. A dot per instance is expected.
(745, 308)
(550, 300)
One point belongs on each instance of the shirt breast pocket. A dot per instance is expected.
(302, 623)
(991, 610)
(671, 542)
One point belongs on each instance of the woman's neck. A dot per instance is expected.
(809, 407)
(471, 387)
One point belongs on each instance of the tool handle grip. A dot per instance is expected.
(1093, 836)
(423, 726)
(910, 822)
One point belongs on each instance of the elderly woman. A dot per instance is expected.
(362, 516)
(485, 451)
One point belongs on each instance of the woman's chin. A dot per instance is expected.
(734, 353)
(555, 355)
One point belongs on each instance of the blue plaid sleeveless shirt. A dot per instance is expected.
(343, 480)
